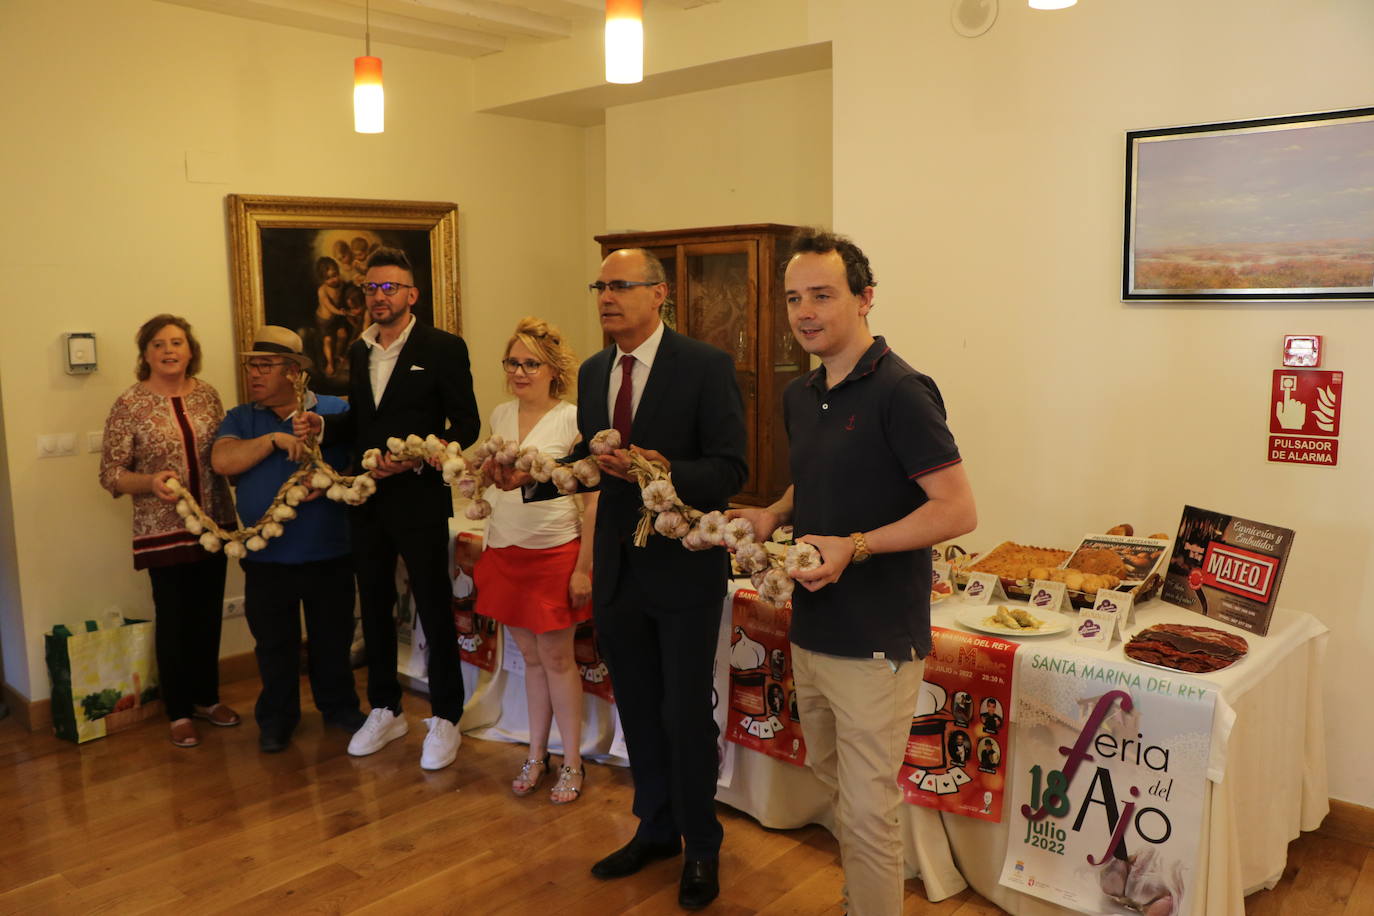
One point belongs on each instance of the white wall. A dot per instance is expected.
(985, 179)
(754, 153)
(106, 97)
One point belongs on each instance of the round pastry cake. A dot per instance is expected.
(1186, 648)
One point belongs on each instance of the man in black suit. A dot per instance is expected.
(657, 608)
(404, 377)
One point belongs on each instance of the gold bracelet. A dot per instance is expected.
(861, 551)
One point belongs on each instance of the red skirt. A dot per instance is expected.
(529, 588)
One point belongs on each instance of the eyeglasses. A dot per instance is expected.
(262, 366)
(531, 366)
(619, 286)
(386, 288)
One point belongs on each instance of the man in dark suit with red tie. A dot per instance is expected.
(405, 377)
(657, 608)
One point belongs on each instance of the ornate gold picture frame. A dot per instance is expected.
(297, 262)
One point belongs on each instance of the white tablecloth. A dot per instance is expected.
(1274, 782)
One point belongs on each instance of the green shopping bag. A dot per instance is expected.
(103, 680)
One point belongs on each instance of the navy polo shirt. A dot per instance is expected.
(858, 451)
(320, 529)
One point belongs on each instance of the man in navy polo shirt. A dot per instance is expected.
(310, 565)
(876, 480)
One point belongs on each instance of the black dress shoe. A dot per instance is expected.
(700, 883)
(273, 742)
(633, 856)
(349, 721)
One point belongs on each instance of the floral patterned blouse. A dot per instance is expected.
(147, 432)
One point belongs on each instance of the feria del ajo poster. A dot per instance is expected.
(1108, 784)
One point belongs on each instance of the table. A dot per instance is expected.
(1274, 691)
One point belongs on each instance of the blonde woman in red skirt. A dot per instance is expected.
(535, 573)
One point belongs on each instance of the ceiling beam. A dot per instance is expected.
(484, 14)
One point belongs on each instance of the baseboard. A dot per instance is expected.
(36, 715)
(1350, 823)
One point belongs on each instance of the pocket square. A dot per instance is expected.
(417, 368)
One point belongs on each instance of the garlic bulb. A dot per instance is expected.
(659, 496)
(234, 550)
(283, 513)
(454, 450)
(480, 508)
(365, 485)
(672, 524)
(320, 480)
(193, 525)
(466, 487)
(587, 472)
(738, 532)
(776, 588)
(800, 556)
(695, 541)
(507, 454)
(256, 542)
(273, 530)
(395, 445)
(414, 443)
(751, 557)
(174, 486)
(183, 508)
(371, 457)
(564, 479)
(712, 528)
(209, 542)
(335, 492)
(541, 469)
(525, 460)
(605, 442)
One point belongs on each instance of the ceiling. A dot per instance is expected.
(464, 28)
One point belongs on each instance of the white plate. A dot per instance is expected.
(973, 617)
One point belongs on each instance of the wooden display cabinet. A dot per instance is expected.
(725, 287)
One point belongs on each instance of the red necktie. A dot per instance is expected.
(623, 399)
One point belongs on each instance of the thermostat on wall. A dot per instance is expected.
(80, 353)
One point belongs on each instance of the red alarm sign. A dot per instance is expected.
(1305, 416)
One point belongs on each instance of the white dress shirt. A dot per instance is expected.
(381, 361)
(639, 376)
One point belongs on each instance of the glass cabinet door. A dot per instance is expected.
(719, 289)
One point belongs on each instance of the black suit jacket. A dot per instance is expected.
(691, 411)
(430, 391)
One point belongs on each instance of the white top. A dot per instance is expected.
(382, 360)
(534, 526)
(639, 376)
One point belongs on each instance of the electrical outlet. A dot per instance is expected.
(233, 607)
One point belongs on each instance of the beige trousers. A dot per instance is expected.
(856, 717)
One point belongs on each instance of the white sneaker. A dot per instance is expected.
(381, 728)
(441, 744)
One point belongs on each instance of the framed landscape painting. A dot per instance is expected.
(1276, 208)
(299, 262)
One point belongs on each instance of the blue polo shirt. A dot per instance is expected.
(858, 453)
(320, 529)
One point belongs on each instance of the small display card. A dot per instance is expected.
(941, 573)
(1095, 628)
(1120, 603)
(983, 588)
(1050, 596)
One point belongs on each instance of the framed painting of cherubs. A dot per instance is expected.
(1274, 208)
(300, 262)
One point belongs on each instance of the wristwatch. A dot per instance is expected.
(861, 552)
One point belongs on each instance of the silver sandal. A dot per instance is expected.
(531, 774)
(569, 780)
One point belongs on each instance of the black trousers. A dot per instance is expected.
(189, 601)
(661, 664)
(274, 594)
(382, 531)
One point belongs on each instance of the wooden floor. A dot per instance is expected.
(131, 824)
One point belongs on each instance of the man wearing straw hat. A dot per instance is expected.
(309, 565)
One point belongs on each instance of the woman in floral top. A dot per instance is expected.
(164, 426)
